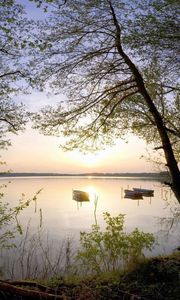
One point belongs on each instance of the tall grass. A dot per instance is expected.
(38, 256)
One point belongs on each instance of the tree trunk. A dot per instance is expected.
(166, 144)
(9, 290)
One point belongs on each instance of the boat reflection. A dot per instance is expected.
(138, 194)
(134, 197)
(144, 192)
(131, 194)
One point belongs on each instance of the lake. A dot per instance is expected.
(64, 217)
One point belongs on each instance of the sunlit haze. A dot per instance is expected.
(34, 152)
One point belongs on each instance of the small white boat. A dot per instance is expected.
(144, 192)
(80, 196)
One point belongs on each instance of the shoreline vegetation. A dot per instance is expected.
(109, 265)
(159, 176)
(156, 278)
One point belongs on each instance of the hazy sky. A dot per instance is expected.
(33, 152)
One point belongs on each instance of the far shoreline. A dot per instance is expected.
(160, 176)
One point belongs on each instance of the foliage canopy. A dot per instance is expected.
(81, 59)
(13, 40)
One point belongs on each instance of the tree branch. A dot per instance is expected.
(28, 293)
(10, 73)
(176, 133)
(9, 122)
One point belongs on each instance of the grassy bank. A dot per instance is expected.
(156, 278)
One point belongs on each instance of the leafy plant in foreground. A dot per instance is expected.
(9, 224)
(109, 250)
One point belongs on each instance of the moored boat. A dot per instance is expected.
(80, 196)
(144, 192)
(132, 194)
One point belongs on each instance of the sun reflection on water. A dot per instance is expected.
(91, 190)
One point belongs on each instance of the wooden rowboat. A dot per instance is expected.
(80, 196)
(132, 194)
(144, 192)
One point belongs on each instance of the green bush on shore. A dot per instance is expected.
(112, 249)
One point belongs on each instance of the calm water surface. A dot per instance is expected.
(64, 217)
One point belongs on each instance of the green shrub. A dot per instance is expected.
(9, 224)
(112, 249)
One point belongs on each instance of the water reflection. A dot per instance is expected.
(138, 194)
(88, 195)
(62, 218)
(92, 191)
(132, 195)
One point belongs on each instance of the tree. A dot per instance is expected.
(13, 41)
(155, 31)
(13, 116)
(14, 79)
(91, 53)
